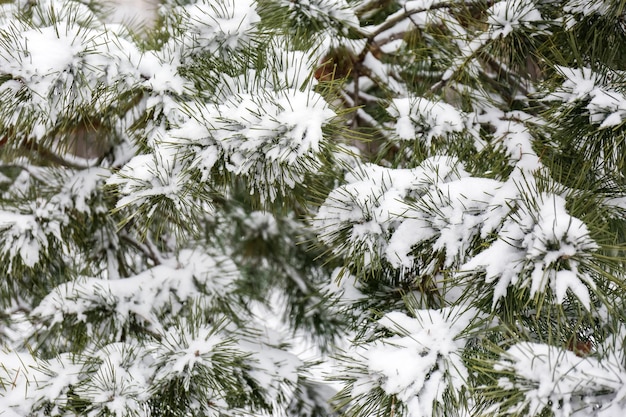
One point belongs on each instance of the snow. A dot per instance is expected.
(61, 67)
(270, 128)
(509, 15)
(556, 379)
(578, 83)
(45, 51)
(262, 224)
(388, 212)
(33, 383)
(117, 382)
(606, 106)
(156, 174)
(448, 218)
(270, 138)
(425, 119)
(136, 14)
(539, 247)
(586, 8)
(333, 10)
(142, 297)
(345, 287)
(467, 208)
(417, 5)
(371, 205)
(27, 234)
(78, 189)
(217, 28)
(421, 361)
(194, 348)
(39, 57)
(161, 76)
(221, 354)
(517, 141)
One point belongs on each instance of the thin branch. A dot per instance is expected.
(368, 7)
(356, 99)
(147, 249)
(408, 13)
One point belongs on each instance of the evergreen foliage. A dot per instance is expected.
(428, 195)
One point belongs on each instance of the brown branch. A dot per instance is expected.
(147, 249)
(361, 11)
(408, 13)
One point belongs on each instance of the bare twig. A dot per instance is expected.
(147, 248)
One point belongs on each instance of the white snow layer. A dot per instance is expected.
(324, 10)
(538, 248)
(143, 296)
(214, 28)
(568, 385)
(424, 119)
(606, 106)
(383, 214)
(358, 218)
(509, 15)
(26, 235)
(271, 138)
(421, 362)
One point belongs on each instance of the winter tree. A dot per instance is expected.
(313, 208)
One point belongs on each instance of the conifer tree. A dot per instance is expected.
(428, 195)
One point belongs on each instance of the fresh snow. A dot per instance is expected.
(421, 361)
(509, 15)
(424, 120)
(269, 127)
(562, 382)
(539, 247)
(143, 296)
(373, 202)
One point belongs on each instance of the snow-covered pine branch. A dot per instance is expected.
(312, 208)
